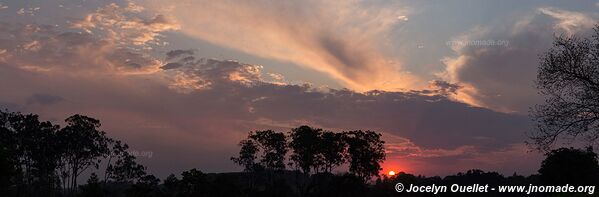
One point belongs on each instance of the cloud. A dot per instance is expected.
(178, 53)
(115, 40)
(26, 11)
(171, 65)
(496, 66)
(569, 21)
(342, 39)
(190, 73)
(444, 87)
(46, 48)
(120, 25)
(187, 108)
(437, 161)
(348, 109)
(276, 77)
(205, 106)
(402, 18)
(44, 99)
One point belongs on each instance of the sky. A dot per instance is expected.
(448, 83)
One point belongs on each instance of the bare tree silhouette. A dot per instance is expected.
(569, 78)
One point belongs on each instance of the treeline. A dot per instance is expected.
(562, 166)
(39, 158)
(314, 154)
(313, 151)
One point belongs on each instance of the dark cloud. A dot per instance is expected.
(500, 75)
(225, 99)
(178, 58)
(178, 53)
(444, 87)
(171, 65)
(415, 115)
(44, 99)
(9, 106)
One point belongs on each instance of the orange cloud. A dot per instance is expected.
(341, 39)
(119, 24)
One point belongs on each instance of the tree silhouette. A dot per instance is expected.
(306, 146)
(365, 151)
(36, 157)
(569, 78)
(314, 149)
(116, 149)
(42, 148)
(146, 186)
(247, 159)
(31, 147)
(24, 171)
(7, 171)
(274, 148)
(247, 155)
(333, 150)
(171, 185)
(570, 166)
(193, 183)
(93, 188)
(83, 147)
(125, 169)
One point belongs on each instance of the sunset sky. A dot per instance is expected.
(448, 83)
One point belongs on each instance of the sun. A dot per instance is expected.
(391, 173)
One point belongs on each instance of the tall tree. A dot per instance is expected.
(306, 146)
(43, 151)
(125, 168)
(247, 155)
(37, 154)
(7, 172)
(274, 148)
(32, 150)
(333, 150)
(83, 146)
(568, 76)
(8, 156)
(365, 151)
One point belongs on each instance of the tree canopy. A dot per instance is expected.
(39, 157)
(568, 77)
(314, 150)
(570, 166)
